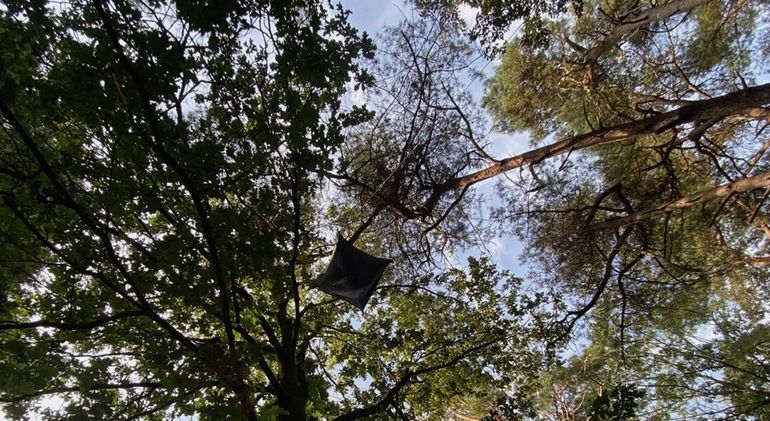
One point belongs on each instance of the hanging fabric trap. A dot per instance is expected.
(352, 274)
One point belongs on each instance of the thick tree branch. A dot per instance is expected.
(12, 325)
(760, 261)
(100, 386)
(634, 21)
(261, 361)
(760, 181)
(390, 396)
(706, 110)
(295, 244)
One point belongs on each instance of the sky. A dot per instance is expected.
(372, 16)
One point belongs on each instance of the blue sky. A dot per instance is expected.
(371, 16)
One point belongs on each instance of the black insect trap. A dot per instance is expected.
(352, 274)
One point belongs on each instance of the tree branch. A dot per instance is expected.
(100, 386)
(93, 225)
(392, 393)
(706, 110)
(760, 181)
(635, 21)
(157, 147)
(11, 325)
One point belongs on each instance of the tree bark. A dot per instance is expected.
(635, 21)
(715, 109)
(761, 261)
(760, 181)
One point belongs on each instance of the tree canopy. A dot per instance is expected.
(174, 174)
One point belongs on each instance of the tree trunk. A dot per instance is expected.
(293, 397)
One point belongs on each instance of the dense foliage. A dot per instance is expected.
(664, 271)
(163, 217)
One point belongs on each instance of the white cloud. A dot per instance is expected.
(468, 14)
(354, 96)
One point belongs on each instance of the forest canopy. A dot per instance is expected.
(174, 175)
